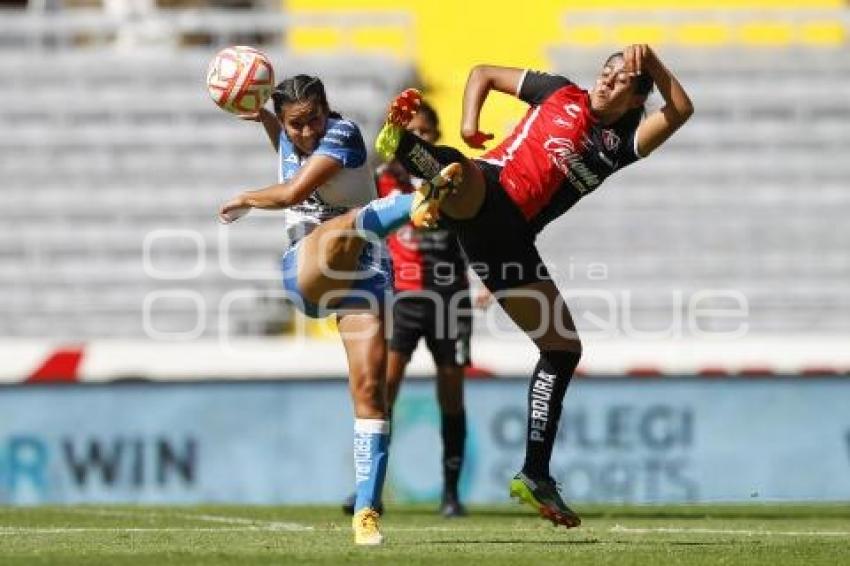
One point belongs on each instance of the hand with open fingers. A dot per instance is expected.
(475, 139)
(635, 57)
(258, 116)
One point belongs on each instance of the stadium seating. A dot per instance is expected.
(104, 147)
(748, 196)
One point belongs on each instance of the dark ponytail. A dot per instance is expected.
(301, 88)
(643, 86)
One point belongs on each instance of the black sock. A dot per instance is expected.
(454, 438)
(545, 400)
(423, 159)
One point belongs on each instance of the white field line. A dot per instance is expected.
(268, 525)
(623, 530)
(272, 528)
(617, 529)
(678, 530)
(255, 528)
(152, 513)
(242, 524)
(117, 530)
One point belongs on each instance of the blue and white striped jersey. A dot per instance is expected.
(353, 186)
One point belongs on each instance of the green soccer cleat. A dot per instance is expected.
(402, 110)
(543, 495)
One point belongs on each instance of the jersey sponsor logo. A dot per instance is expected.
(315, 207)
(316, 198)
(563, 154)
(342, 133)
(572, 109)
(289, 166)
(541, 395)
(424, 161)
(362, 457)
(559, 121)
(611, 140)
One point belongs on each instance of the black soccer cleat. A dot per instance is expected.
(451, 507)
(543, 495)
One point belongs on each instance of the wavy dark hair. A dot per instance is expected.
(643, 86)
(301, 88)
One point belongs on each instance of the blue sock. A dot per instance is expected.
(371, 442)
(383, 216)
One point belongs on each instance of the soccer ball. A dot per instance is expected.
(240, 79)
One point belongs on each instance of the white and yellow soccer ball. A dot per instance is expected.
(240, 79)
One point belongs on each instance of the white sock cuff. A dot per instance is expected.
(359, 228)
(372, 426)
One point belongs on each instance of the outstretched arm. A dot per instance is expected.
(661, 124)
(482, 79)
(317, 171)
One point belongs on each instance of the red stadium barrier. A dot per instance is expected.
(39, 361)
(62, 367)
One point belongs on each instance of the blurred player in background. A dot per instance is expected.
(569, 141)
(431, 302)
(334, 264)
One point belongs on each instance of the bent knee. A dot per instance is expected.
(568, 341)
(564, 362)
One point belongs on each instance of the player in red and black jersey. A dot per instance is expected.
(569, 141)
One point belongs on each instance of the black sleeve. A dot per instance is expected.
(627, 152)
(536, 86)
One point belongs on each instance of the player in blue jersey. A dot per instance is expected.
(336, 262)
(432, 302)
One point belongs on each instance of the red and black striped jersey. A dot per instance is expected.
(558, 152)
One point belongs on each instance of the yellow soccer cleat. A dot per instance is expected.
(402, 110)
(366, 529)
(425, 210)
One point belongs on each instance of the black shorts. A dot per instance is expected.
(447, 331)
(499, 241)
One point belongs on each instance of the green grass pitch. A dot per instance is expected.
(693, 535)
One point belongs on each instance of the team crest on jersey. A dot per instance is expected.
(611, 140)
